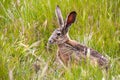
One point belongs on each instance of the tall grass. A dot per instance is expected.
(25, 26)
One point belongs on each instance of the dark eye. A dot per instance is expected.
(58, 34)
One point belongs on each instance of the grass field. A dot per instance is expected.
(25, 26)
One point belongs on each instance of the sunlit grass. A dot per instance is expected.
(25, 26)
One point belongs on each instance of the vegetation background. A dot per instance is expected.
(25, 26)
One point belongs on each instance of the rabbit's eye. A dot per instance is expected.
(58, 34)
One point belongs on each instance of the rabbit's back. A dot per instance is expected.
(67, 52)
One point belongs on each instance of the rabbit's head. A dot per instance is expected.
(60, 35)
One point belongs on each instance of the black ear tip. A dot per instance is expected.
(73, 12)
(57, 6)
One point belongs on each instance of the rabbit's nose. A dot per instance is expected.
(50, 41)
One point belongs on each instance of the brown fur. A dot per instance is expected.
(94, 55)
(70, 47)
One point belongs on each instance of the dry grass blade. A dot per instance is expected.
(43, 71)
(35, 44)
(11, 73)
(45, 23)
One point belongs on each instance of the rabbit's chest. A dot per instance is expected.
(67, 52)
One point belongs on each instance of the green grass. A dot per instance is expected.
(25, 26)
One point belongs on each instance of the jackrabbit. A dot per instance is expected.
(67, 47)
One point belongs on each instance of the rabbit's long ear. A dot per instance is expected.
(70, 19)
(59, 16)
